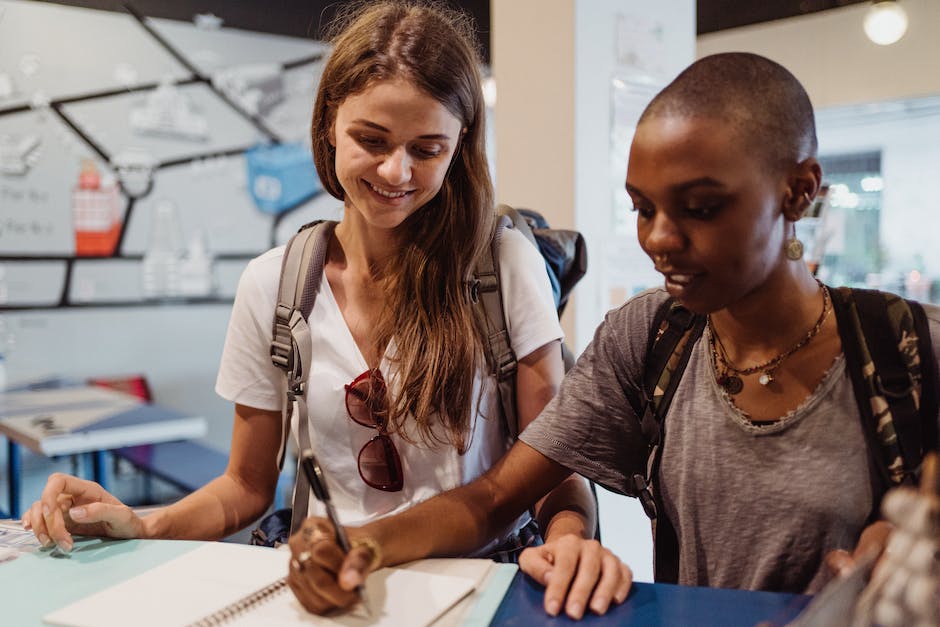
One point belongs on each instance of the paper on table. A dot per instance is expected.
(213, 576)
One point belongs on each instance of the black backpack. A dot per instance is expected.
(889, 358)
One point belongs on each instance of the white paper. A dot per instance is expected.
(213, 576)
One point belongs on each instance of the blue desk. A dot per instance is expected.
(49, 581)
(79, 419)
(658, 604)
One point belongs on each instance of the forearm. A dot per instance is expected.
(569, 508)
(462, 520)
(454, 523)
(218, 509)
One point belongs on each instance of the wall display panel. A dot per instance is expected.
(143, 162)
(55, 52)
(192, 144)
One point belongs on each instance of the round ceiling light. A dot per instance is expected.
(885, 22)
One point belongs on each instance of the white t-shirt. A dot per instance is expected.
(247, 376)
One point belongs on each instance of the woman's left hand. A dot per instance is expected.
(591, 575)
(873, 540)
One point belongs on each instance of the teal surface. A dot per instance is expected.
(482, 613)
(37, 583)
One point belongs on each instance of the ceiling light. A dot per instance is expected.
(885, 22)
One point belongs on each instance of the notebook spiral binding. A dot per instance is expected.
(246, 603)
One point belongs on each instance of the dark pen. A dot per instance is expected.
(318, 484)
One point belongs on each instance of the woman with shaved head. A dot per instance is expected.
(764, 467)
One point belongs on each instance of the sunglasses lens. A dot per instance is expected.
(379, 464)
(365, 400)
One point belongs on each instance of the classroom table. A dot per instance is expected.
(71, 420)
(50, 581)
(659, 604)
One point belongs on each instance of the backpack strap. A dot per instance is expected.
(491, 321)
(672, 337)
(301, 272)
(890, 360)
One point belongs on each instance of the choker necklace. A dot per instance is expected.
(729, 375)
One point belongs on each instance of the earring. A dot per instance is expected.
(794, 247)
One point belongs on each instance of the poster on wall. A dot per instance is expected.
(629, 269)
(642, 66)
(147, 160)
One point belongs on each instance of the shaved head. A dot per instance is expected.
(759, 100)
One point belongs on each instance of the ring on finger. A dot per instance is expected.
(312, 535)
(298, 563)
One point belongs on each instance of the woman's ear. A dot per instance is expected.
(804, 184)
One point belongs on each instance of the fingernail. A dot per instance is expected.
(65, 545)
(45, 510)
(44, 539)
(25, 523)
(77, 513)
(350, 577)
(575, 610)
(553, 607)
(599, 607)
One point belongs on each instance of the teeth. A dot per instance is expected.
(382, 192)
(680, 278)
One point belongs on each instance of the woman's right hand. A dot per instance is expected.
(70, 505)
(322, 577)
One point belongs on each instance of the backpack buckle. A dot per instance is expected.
(642, 490)
(473, 289)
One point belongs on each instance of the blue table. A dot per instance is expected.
(49, 581)
(658, 604)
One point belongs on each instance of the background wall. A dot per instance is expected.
(836, 62)
(572, 77)
(870, 98)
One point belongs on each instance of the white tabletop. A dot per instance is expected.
(80, 419)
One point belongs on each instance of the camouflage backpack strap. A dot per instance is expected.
(890, 361)
(673, 334)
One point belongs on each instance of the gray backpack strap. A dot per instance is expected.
(301, 272)
(491, 319)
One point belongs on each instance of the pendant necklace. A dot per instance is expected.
(729, 375)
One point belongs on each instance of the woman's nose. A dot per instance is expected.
(660, 235)
(395, 168)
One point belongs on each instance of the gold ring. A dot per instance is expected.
(370, 543)
(300, 561)
(312, 535)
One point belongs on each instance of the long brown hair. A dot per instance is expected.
(427, 311)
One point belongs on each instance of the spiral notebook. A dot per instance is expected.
(232, 584)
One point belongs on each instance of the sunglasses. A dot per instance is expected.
(367, 405)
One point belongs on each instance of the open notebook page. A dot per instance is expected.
(206, 580)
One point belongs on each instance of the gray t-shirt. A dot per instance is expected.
(754, 507)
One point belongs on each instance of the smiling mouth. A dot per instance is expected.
(387, 194)
(680, 279)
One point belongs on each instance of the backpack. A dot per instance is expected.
(565, 254)
(889, 358)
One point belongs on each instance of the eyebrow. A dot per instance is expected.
(379, 127)
(704, 181)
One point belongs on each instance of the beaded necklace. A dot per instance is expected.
(729, 375)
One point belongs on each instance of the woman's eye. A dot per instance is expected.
(427, 152)
(642, 209)
(703, 211)
(370, 142)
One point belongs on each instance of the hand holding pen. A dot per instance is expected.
(316, 562)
